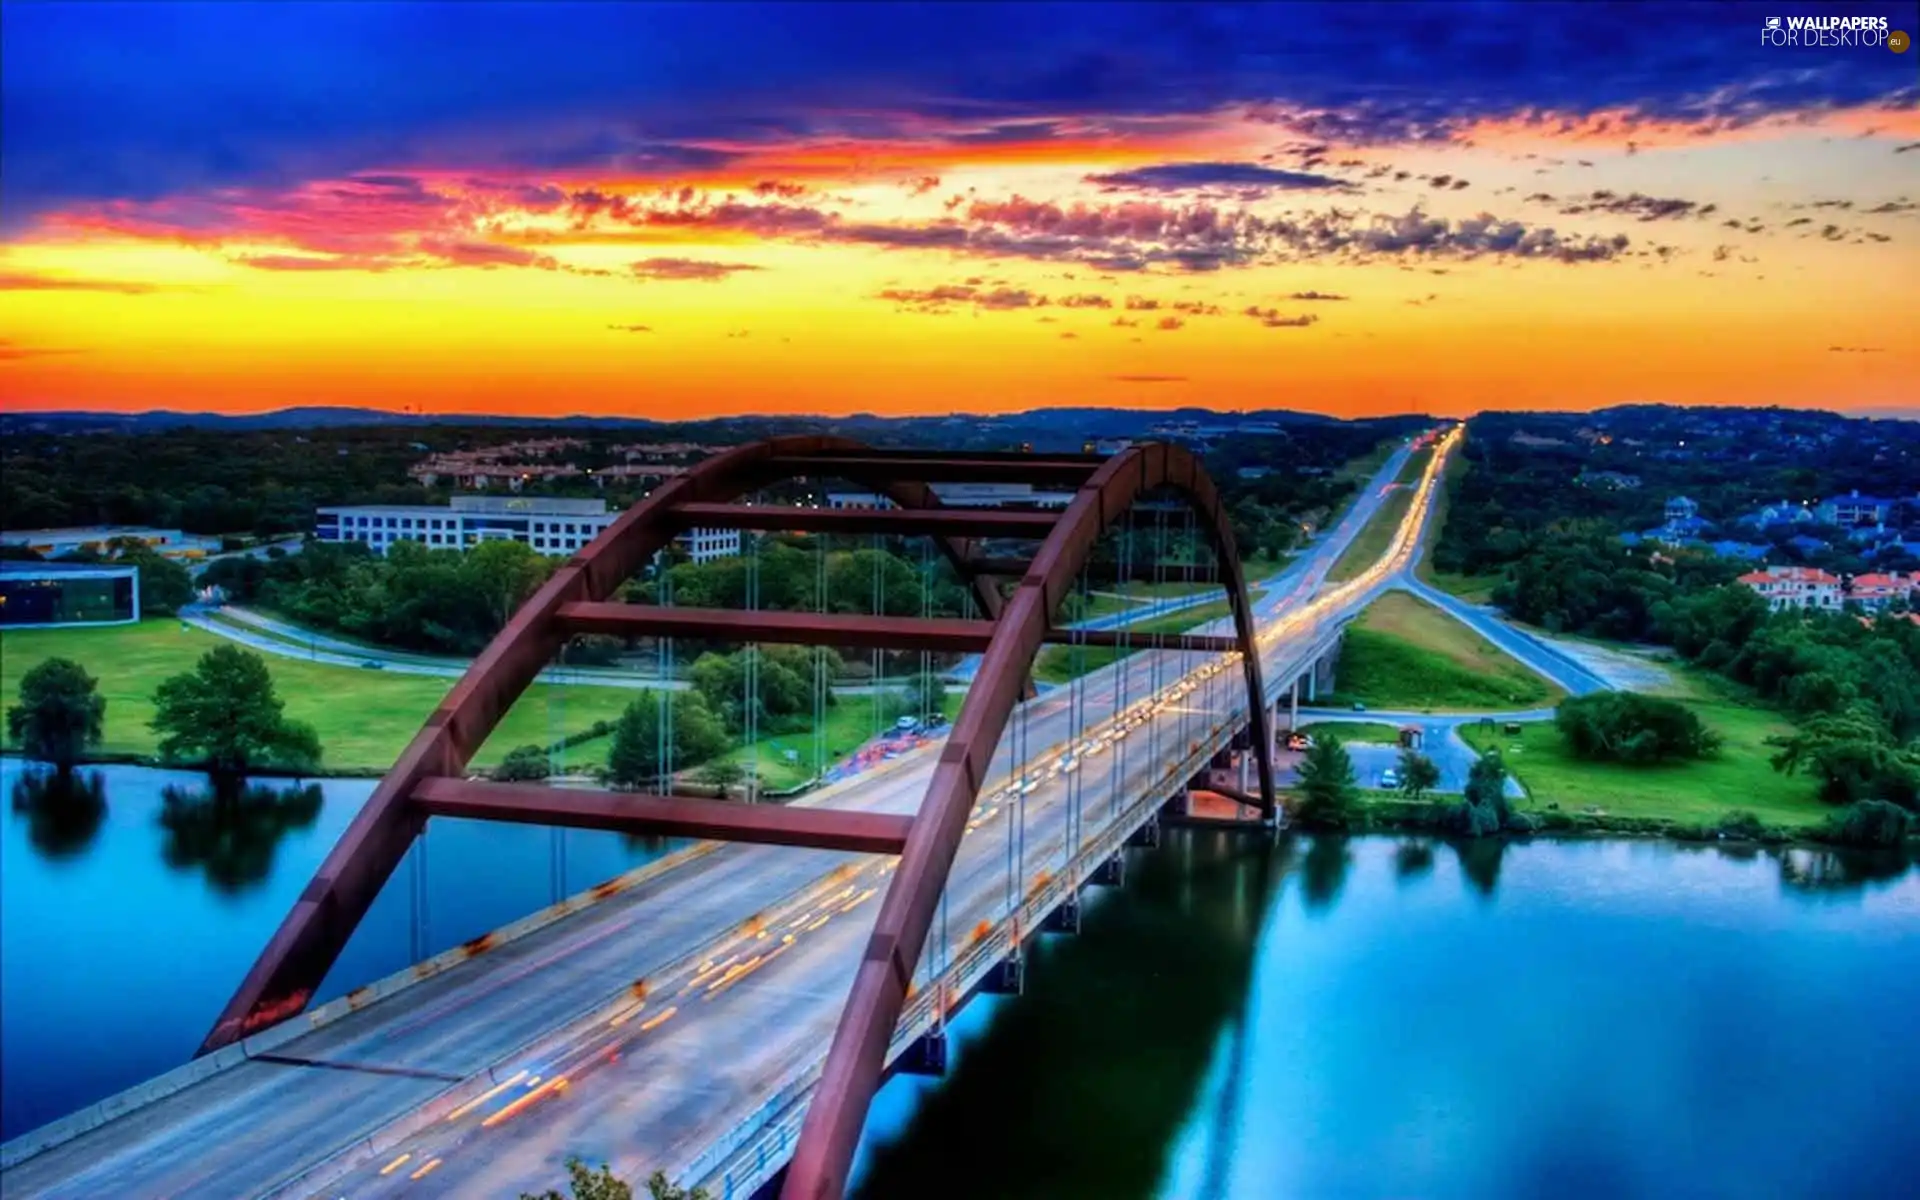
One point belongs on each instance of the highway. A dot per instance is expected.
(643, 1029)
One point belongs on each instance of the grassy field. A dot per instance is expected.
(1058, 664)
(1376, 732)
(1405, 654)
(1373, 540)
(850, 724)
(1738, 778)
(364, 718)
(1415, 466)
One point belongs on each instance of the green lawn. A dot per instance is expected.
(1355, 731)
(1474, 589)
(850, 723)
(1371, 545)
(1058, 664)
(1701, 792)
(1405, 654)
(364, 718)
(1415, 466)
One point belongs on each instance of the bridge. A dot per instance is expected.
(725, 1014)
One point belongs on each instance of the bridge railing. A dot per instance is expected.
(754, 1151)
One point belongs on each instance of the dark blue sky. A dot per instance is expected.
(105, 101)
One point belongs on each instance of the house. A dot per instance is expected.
(1877, 591)
(1681, 508)
(1854, 509)
(1795, 587)
(1783, 512)
(1738, 549)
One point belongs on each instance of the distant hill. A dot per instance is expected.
(1058, 422)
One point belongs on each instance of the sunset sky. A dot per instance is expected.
(688, 210)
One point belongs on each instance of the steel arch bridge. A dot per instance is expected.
(428, 778)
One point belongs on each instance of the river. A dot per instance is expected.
(1384, 1017)
(1322, 1018)
(123, 931)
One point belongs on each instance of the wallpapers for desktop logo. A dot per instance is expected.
(1834, 32)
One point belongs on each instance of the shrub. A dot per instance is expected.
(1867, 823)
(1627, 728)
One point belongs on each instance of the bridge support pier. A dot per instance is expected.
(1065, 919)
(1313, 683)
(1147, 836)
(926, 1056)
(1008, 977)
(1111, 873)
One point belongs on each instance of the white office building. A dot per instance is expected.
(551, 526)
(964, 495)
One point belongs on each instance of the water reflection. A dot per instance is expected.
(231, 832)
(1145, 991)
(1637, 1027)
(63, 812)
(1413, 859)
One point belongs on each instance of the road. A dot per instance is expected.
(481, 1079)
(1542, 657)
(1440, 740)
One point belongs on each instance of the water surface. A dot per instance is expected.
(124, 928)
(1382, 1018)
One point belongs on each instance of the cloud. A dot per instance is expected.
(1169, 324)
(1173, 177)
(936, 300)
(631, 328)
(489, 256)
(1908, 146)
(1272, 319)
(1125, 323)
(1085, 300)
(923, 185)
(1315, 296)
(1856, 349)
(773, 187)
(18, 282)
(688, 268)
(317, 262)
(1148, 378)
(250, 97)
(1644, 208)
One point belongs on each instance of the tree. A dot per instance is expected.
(924, 696)
(1484, 809)
(523, 764)
(603, 1185)
(1326, 785)
(165, 586)
(634, 759)
(225, 714)
(1852, 757)
(59, 716)
(722, 773)
(1628, 728)
(503, 573)
(1418, 774)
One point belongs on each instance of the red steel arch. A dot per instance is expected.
(856, 1061)
(427, 780)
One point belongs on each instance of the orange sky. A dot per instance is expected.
(437, 291)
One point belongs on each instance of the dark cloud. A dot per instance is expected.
(1174, 177)
(1315, 296)
(631, 328)
(18, 282)
(1148, 378)
(487, 255)
(687, 268)
(251, 96)
(1068, 337)
(1272, 318)
(1086, 300)
(1907, 147)
(1856, 349)
(1891, 206)
(939, 299)
(1126, 323)
(1171, 323)
(1643, 208)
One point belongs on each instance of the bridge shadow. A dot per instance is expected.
(64, 813)
(1080, 1087)
(231, 833)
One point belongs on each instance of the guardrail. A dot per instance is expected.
(752, 1153)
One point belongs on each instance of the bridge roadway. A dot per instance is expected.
(480, 1079)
